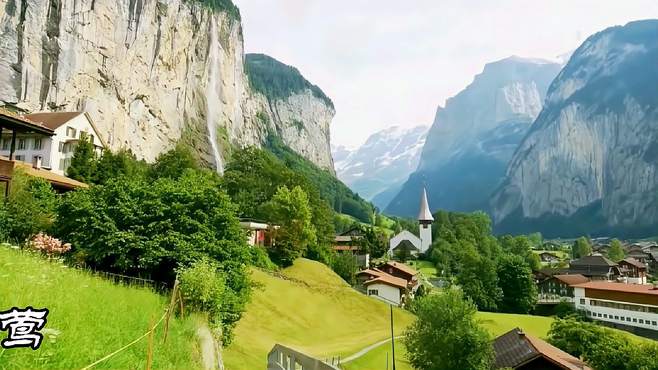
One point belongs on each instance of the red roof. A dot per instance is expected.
(402, 267)
(388, 280)
(620, 287)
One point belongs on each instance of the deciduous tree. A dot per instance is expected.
(515, 280)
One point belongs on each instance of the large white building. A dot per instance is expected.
(53, 153)
(406, 239)
(627, 306)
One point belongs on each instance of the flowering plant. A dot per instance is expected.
(47, 244)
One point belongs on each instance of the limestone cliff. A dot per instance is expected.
(590, 161)
(141, 69)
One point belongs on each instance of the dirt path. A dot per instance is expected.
(211, 356)
(366, 350)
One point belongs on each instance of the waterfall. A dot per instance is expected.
(212, 95)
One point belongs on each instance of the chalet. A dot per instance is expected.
(559, 288)
(595, 267)
(634, 271)
(350, 242)
(549, 257)
(632, 307)
(52, 152)
(259, 233)
(387, 288)
(400, 270)
(519, 350)
(638, 253)
(546, 273)
(14, 132)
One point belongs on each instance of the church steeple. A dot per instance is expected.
(425, 215)
(425, 220)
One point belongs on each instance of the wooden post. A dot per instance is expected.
(170, 309)
(180, 299)
(149, 353)
(13, 144)
(392, 338)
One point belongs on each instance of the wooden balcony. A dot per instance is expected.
(60, 183)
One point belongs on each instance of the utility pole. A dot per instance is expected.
(392, 337)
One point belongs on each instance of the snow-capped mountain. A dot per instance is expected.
(475, 135)
(383, 162)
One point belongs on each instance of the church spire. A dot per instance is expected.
(425, 214)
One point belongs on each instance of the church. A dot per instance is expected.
(408, 240)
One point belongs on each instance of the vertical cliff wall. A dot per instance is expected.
(140, 68)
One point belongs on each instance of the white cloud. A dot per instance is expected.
(391, 62)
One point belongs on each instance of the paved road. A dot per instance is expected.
(366, 350)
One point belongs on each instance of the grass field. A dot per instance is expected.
(89, 318)
(311, 309)
(426, 268)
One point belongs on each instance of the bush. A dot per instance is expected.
(48, 245)
(345, 266)
(259, 258)
(202, 288)
(29, 209)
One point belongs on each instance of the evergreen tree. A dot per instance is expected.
(83, 162)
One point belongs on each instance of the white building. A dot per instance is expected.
(389, 289)
(405, 239)
(52, 153)
(632, 307)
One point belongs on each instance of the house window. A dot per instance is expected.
(654, 323)
(70, 132)
(61, 147)
(635, 320)
(6, 144)
(61, 164)
(605, 315)
(373, 292)
(20, 158)
(21, 144)
(91, 138)
(582, 301)
(641, 321)
(37, 144)
(599, 315)
(616, 317)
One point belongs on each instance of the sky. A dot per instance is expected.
(387, 63)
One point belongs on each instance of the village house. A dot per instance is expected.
(548, 257)
(631, 307)
(634, 271)
(595, 267)
(51, 152)
(638, 253)
(558, 288)
(392, 282)
(259, 233)
(350, 242)
(519, 350)
(12, 129)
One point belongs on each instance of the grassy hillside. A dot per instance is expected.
(89, 318)
(309, 308)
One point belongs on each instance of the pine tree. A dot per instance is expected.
(83, 163)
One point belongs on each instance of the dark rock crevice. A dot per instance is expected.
(20, 31)
(50, 51)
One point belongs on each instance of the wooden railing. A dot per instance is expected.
(284, 358)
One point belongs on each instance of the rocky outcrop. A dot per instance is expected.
(590, 161)
(141, 69)
(474, 136)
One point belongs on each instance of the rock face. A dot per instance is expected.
(590, 161)
(141, 69)
(474, 136)
(383, 162)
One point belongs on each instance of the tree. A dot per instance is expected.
(344, 264)
(122, 163)
(173, 163)
(581, 248)
(616, 253)
(478, 279)
(29, 208)
(83, 162)
(446, 335)
(290, 210)
(515, 280)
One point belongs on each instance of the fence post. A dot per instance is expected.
(149, 351)
(170, 309)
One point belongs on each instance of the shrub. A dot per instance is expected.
(29, 209)
(202, 287)
(48, 245)
(344, 264)
(259, 258)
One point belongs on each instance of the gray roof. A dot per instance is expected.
(425, 214)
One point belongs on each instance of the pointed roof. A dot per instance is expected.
(425, 214)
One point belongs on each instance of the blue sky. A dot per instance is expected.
(387, 62)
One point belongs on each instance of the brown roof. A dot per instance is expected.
(53, 120)
(8, 167)
(14, 121)
(516, 348)
(634, 262)
(620, 287)
(345, 248)
(572, 279)
(402, 267)
(388, 280)
(343, 238)
(373, 272)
